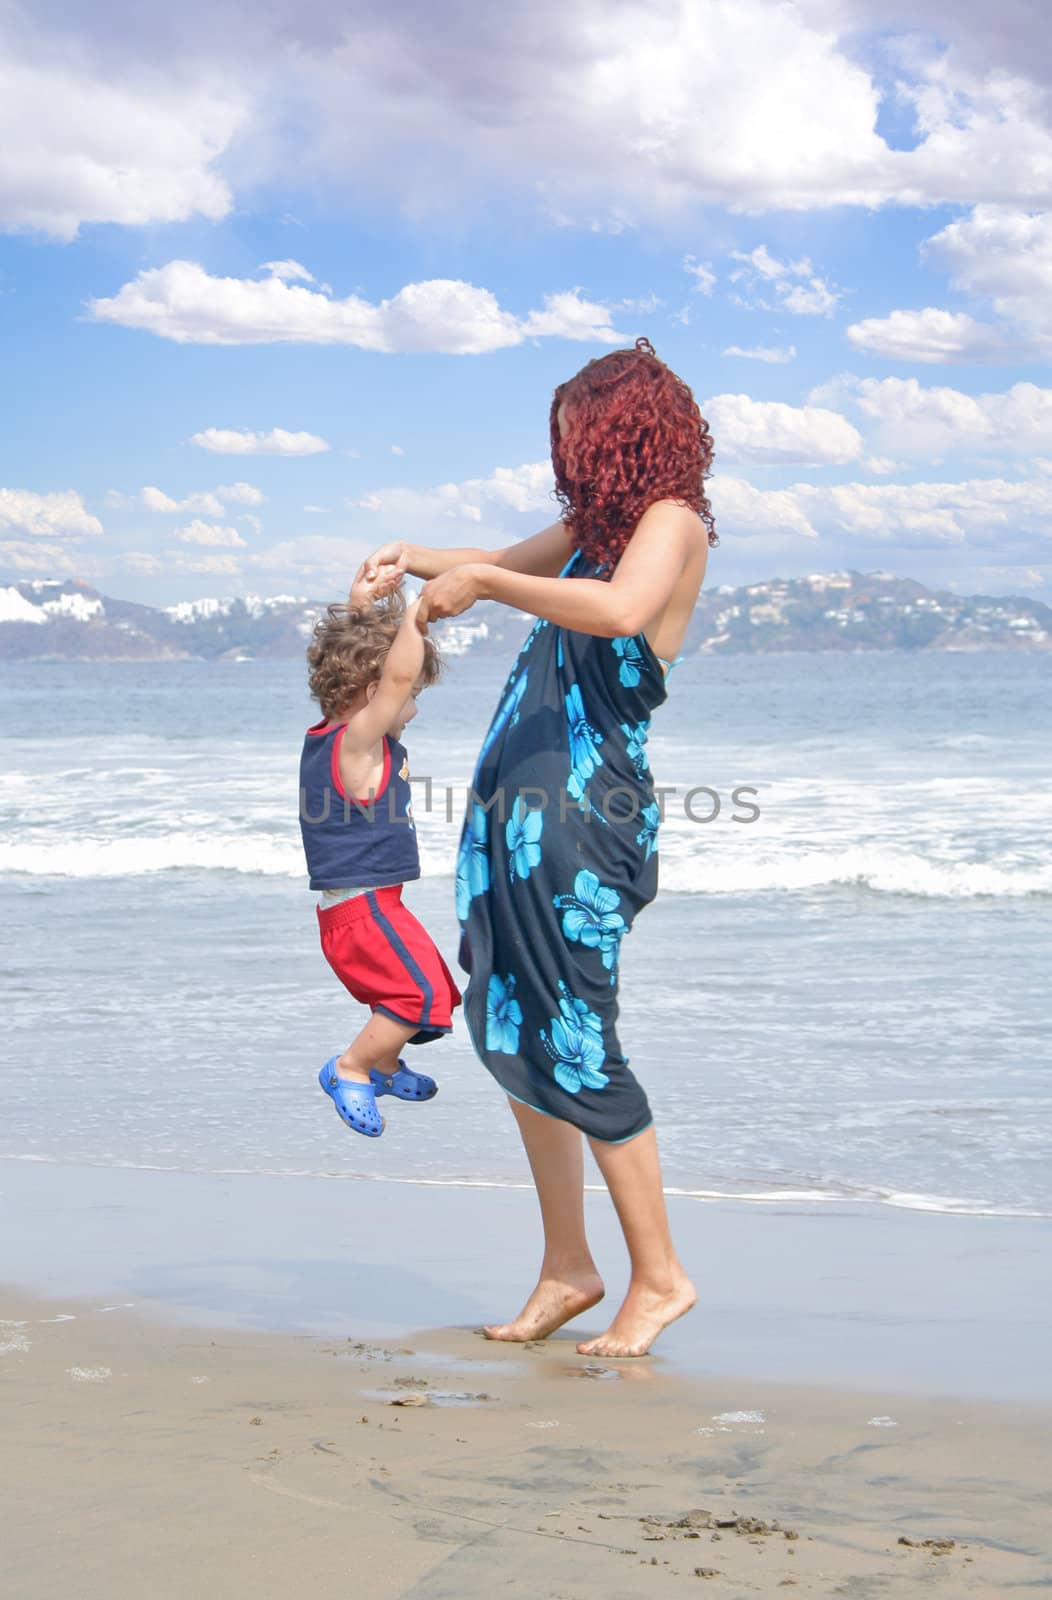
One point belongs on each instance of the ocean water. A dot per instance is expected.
(843, 998)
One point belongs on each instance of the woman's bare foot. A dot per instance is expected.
(643, 1315)
(553, 1302)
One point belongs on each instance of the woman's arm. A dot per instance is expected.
(544, 554)
(642, 584)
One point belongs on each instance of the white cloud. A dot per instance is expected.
(774, 355)
(85, 144)
(1004, 255)
(762, 263)
(115, 118)
(912, 421)
(567, 316)
(999, 254)
(181, 301)
(240, 494)
(396, 450)
(206, 502)
(643, 305)
(314, 556)
(51, 559)
(1012, 517)
(156, 500)
(222, 566)
(931, 336)
(980, 36)
(768, 431)
(242, 442)
(288, 271)
(23, 511)
(519, 489)
(742, 510)
(208, 533)
(702, 273)
(813, 299)
(142, 564)
(796, 286)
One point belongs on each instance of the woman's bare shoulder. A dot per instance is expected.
(671, 511)
(671, 523)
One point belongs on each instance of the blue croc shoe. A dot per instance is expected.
(356, 1102)
(404, 1084)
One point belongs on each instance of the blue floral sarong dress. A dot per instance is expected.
(557, 856)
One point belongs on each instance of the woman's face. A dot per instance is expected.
(566, 435)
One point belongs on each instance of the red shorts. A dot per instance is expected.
(388, 961)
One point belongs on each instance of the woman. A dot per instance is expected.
(558, 852)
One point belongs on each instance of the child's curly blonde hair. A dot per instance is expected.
(350, 646)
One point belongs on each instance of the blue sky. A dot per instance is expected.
(279, 283)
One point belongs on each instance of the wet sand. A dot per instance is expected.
(221, 1379)
(145, 1457)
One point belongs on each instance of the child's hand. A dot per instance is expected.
(382, 580)
(394, 552)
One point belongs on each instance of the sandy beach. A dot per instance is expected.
(145, 1457)
(279, 1386)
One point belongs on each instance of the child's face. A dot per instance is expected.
(406, 714)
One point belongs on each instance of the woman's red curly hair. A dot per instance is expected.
(638, 437)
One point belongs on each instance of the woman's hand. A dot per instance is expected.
(450, 594)
(394, 553)
(374, 580)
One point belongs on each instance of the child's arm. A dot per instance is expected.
(372, 583)
(401, 671)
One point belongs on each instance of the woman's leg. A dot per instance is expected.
(659, 1290)
(569, 1281)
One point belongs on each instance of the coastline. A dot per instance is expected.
(861, 1296)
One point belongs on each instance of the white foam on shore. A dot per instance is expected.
(942, 1205)
(876, 868)
(12, 1339)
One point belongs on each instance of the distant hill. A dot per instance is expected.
(862, 611)
(66, 620)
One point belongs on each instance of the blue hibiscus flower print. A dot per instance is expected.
(503, 1016)
(508, 710)
(635, 739)
(523, 838)
(541, 623)
(472, 860)
(584, 745)
(576, 1046)
(631, 660)
(590, 916)
(647, 835)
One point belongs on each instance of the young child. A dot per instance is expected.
(368, 663)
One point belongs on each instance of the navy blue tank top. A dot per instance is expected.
(364, 842)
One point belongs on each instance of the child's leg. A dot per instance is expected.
(378, 1045)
